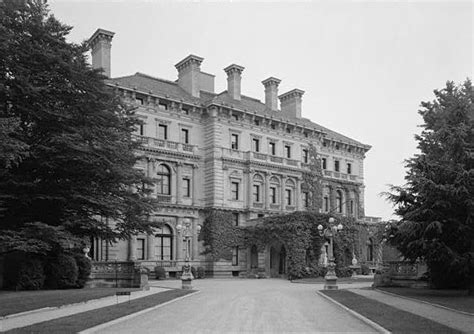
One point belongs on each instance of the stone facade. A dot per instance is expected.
(225, 151)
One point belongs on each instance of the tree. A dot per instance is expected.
(312, 180)
(67, 150)
(437, 203)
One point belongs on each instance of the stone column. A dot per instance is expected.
(249, 189)
(179, 241)
(332, 198)
(266, 199)
(194, 185)
(179, 195)
(282, 193)
(347, 198)
(150, 241)
(194, 239)
(132, 248)
(298, 195)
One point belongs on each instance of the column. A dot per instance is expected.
(332, 198)
(249, 188)
(132, 248)
(194, 185)
(194, 241)
(298, 194)
(179, 197)
(282, 193)
(179, 241)
(266, 194)
(348, 201)
(150, 241)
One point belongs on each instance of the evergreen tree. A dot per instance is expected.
(437, 203)
(66, 144)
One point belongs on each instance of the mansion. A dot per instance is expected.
(225, 151)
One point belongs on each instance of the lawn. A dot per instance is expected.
(455, 299)
(345, 280)
(81, 321)
(390, 318)
(21, 301)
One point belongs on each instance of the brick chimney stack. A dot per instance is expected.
(189, 74)
(290, 102)
(234, 77)
(271, 92)
(101, 45)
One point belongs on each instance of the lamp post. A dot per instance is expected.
(187, 276)
(328, 233)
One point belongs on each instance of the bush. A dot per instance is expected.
(62, 272)
(23, 272)
(364, 269)
(84, 267)
(343, 272)
(160, 272)
(200, 272)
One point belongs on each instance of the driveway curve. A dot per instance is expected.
(244, 306)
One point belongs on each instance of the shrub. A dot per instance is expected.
(160, 272)
(343, 272)
(84, 267)
(62, 272)
(200, 272)
(365, 270)
(23, 272)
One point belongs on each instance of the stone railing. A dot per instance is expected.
(124, 274)
(257, 205)
(166, 144)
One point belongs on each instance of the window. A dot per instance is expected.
(305, 156)
(306, 135)
(256, 193)
(339, 201)
(164, 178)
(324, 163)
(235, 217)
(235, 190)
(235, 256)
(140, 249)
(351, 207)
(260, 215)
(272, 148)
(349, 168)
(257, 122)
(305, 199)
(288, 151)
(162, 131)
(273, 195)
(164, 243)
(234, 141)
(235, 117)
(163, 106)
(273, 126)
(185, 136)
(326, 203)
(288, 130)
(186, 187)
(185, 110)
(256, 145)
(336, 165)
(288, 197)
(142, 129)
(139, 100)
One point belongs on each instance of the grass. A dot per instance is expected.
(22, 301)
(81, 321)
(455, 299)
(345, 280)
(390, 318)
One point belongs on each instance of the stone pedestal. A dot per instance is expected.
(331, 278)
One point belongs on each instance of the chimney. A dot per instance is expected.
(101, 45)
(271, 92)
(234, 76)
(189, 73)
(290, 103)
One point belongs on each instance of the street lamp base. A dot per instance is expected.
(331, 284)
(186, 284)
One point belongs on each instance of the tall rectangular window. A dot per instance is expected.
(271, 148)
(235, 256)
(351, 207)
(288, 196)
(186, 187)
(273, 195)
(185, 136)
(336, 165)
(288, 151)
(235, 217)
(234, 141)
(305, 156)
(326, 204)
(163, 106)
(349, 168)
(324, 162)
(140, 249)
(235, 190)
(305, 199)
(162, 131)
(142, 129)
(256, 193)
(139, 101)
(256, 145)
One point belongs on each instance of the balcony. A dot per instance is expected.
(258, 205)
(339, 175)
(167, 144)
(261, 157)
(275, 206)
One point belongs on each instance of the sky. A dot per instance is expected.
(365, 66)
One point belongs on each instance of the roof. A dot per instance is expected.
(148, 84)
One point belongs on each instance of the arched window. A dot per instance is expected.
(339, 201)
(164, 180)
(257, 188)
(289, 192)
(164, 243)
(274, 190)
